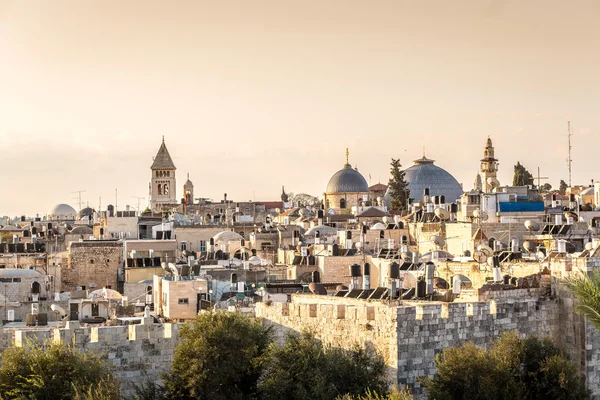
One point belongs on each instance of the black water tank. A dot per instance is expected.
(381, 234)
(426, 192)
(506, 279)
(336, 250)
(364, 229)
(320, 214)
(367, 269)
(355, 270)
(394, 270)
(348, 234)
(421, 288)
(453, 208)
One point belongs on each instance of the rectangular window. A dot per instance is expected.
(183, 301)
(202, 246)
(183, 245)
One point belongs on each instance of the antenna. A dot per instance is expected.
(78, 197)
(138, 199)
(569, 160)
(538, 177)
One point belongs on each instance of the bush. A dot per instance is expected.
(218, 357)
(55, 371)
(512, 369)
(305, 369)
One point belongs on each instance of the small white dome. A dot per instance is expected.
(378, 226)
(227, 236)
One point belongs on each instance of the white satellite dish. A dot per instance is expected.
(486, 250)
(442, 214)
(493, 182)
(386, 220)
(437, 240)
(480, 257)
(532, 226)
(58, 310)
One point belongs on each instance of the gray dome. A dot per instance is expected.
(424, 174)
(347, 180)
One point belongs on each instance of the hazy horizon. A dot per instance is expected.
(251, 96)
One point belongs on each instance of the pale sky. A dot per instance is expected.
(252, 95)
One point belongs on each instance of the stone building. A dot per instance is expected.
(489, 168)
(93, 264)
(163, 189)
(347, 188)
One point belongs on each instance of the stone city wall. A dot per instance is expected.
(137, 351)
(410, 334)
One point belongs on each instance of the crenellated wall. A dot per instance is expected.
(410, 334)
(136, 351)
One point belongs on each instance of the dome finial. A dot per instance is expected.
(163, 138)
(188, 174)
(423, 151)
(347, 154)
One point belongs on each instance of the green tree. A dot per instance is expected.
(399, 191)
(303, 368)
(522, 177)
(218, 357)
(587, 292)
(512, 369)
(55, 371)
(546, 188)
(562, 187)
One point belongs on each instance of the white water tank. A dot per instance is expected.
(561, 246)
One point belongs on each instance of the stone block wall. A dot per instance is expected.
(136, 351)
(93, 264)
(410, 334)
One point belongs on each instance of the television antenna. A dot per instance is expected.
(78, 197)
(569, 160)
(138, 201)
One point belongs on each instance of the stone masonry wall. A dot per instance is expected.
(136, 351)
(411, 334)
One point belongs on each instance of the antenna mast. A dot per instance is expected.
(569, 160)
(78, 198)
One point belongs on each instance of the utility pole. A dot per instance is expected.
(569, 160)
(78, 197)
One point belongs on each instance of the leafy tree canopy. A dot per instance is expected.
(218, 357)
(512, 369)
(55, 371)
(562, 186)
(304, 368)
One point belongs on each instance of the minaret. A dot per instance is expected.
(477, 186)
(489, 167)
(162, 184)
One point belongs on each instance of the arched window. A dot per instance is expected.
(149, 290)
(343, 203)
(157, 174)
(159, 189)
(35, 288)
(168, 173)
(166, 189)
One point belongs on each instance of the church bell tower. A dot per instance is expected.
(163, 194)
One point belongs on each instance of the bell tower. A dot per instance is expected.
(162, 185)
(489, 167)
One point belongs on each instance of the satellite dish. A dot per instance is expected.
(571, 214)
(532, 226)
(317, 288)
(480, 257)
(437, 240)
(529, 246)
(540, 255)
(486, 250)
(58, 310)
(358, 245)
(442, 214)
(493, 182)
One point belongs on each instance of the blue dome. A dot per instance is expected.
(347, 180)
(424, 174)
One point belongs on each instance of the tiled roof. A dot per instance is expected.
(163, 159)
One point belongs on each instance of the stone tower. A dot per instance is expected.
(188, 191)
(163, 194)
(489, 167)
